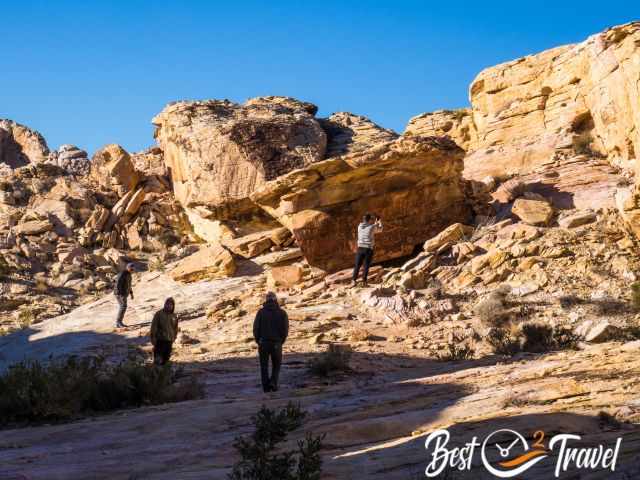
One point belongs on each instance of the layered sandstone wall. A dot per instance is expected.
(583, 97)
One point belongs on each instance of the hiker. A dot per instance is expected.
(122, 290)
(164, 330)
(366, 231)
(270, 330)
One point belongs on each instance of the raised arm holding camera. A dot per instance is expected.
(367, 229)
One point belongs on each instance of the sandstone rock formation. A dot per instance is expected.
(581, 97)
(71, 159)
(219, 152)
(19, 145)
(413, 183)
(455, 124)
(112, 168)
(533, 212)
(349, 133)
(209, 262)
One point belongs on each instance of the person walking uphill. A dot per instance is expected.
(164, 330)
(122, 291)
(366, 242)
(270, 330)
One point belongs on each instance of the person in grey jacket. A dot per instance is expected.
(367, 230)
(122, 291)
(270, 331)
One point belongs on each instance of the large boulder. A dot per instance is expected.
(71, 159)
(219, 152)
(413, 183)
(112, 168)
(581, 97)
(207, 263)
(533, 212)
(349, 133)
(19, 145)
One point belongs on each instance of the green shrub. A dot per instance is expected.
(260, 459)
(334, 360)
(63, 390)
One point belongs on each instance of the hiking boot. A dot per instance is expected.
(120, 325)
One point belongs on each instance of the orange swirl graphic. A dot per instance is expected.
(522, 458)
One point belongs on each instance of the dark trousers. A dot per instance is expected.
(122, 301)
(162, 352)
(363, 256)
(272, 350)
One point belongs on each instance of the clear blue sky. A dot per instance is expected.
(96, 72)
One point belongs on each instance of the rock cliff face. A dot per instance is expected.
(219, 152)
(19, 145)
(413, 183)
(584, 97)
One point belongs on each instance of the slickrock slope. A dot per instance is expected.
(376, 419)
(219, 152)
(19, 145)
(584, 97)
(413, 183)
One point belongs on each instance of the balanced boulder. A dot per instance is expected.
(413, 183)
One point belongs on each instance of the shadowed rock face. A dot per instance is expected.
(20, 145)
(413, 183)
(584, 97)
(219, 152)
(349, 133)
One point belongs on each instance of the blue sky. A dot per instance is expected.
(96, 72)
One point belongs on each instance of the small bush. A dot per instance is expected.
(564, 338)
(635, 295)
(335, 359)
(26, 317)
(156, 264)
(63, 390)
(260, 459)
(582, 143)
(457, 350)
(503, 342)
(537, 338)
(492, 310)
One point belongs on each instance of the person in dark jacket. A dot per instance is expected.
(122, 291)
(164, 330)
(270, 330)
(367, 230)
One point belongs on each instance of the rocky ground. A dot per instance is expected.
(377, 417)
